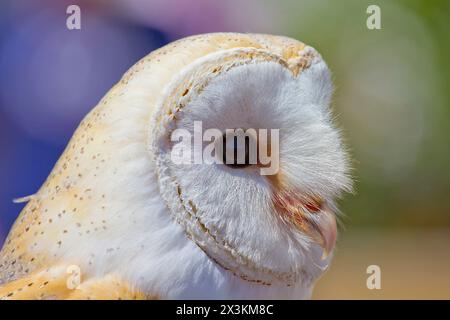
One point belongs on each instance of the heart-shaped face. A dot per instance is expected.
(249, 162)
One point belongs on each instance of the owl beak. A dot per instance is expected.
(327, 231)
(311, 217)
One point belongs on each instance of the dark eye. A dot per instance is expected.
(237, 151)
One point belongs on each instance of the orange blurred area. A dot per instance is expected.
(414, 265)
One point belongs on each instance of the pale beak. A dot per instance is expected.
(328, 231)
(312, 217)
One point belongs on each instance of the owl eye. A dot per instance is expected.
(236, 151)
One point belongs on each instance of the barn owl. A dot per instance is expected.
(117, 219)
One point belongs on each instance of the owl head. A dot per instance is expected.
(267, 214)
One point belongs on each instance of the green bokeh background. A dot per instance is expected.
(392, 101)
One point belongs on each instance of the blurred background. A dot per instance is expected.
(392, 102)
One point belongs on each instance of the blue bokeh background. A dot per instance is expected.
(50, 78)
